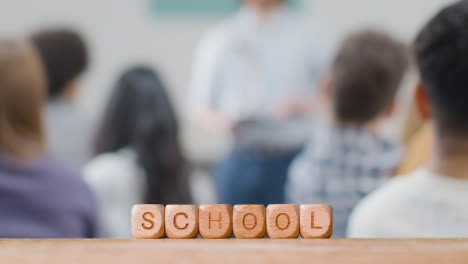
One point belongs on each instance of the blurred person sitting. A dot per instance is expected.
(251, 74)
(139, 155)
(65, 57)
(432, 201)
(346, 158)
(39, 197)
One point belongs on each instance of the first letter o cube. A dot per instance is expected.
(249, 221)
(147, 221)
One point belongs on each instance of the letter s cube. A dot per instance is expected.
(147, 221)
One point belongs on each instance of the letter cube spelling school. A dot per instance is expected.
(221, 221)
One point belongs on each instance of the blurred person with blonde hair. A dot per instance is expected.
(431, 201)
(39, 197)
(251, 76)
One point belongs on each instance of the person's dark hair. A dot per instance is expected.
(64, 55)
(140, 116)
(365, 76)
(441, 51)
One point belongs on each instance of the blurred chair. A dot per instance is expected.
(418, 143)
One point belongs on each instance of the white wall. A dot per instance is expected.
(122, 32)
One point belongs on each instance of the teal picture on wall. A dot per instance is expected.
(200, 7)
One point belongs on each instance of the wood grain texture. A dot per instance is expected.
(147, 221)
(181, 221)
(215, 221)
(249, 221)
(207, 251)
(282, 220)
(316, 221)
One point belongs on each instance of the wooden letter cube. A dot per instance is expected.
(283, 220)
(316, 221)
(249, 221)
(215, 221)
(181, 221)
(148, 221)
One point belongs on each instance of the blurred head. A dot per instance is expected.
(441, 51)
(65, 57)
(140, 116)
(22, 94)
(263, 4)
(365, 76)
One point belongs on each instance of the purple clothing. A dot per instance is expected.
(43, 199)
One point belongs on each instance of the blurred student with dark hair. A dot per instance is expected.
(39, 198)
(139, 155)
(346, 158)
(433, 201)
(65, 57)
(252, 76)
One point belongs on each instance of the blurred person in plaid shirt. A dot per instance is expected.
(346, 158)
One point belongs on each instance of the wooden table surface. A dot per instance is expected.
(234, 251)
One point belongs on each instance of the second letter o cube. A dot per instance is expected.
(181, 221)
(215, 221)
(283, 220)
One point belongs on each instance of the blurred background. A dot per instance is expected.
(120, 33)
(165, 34)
